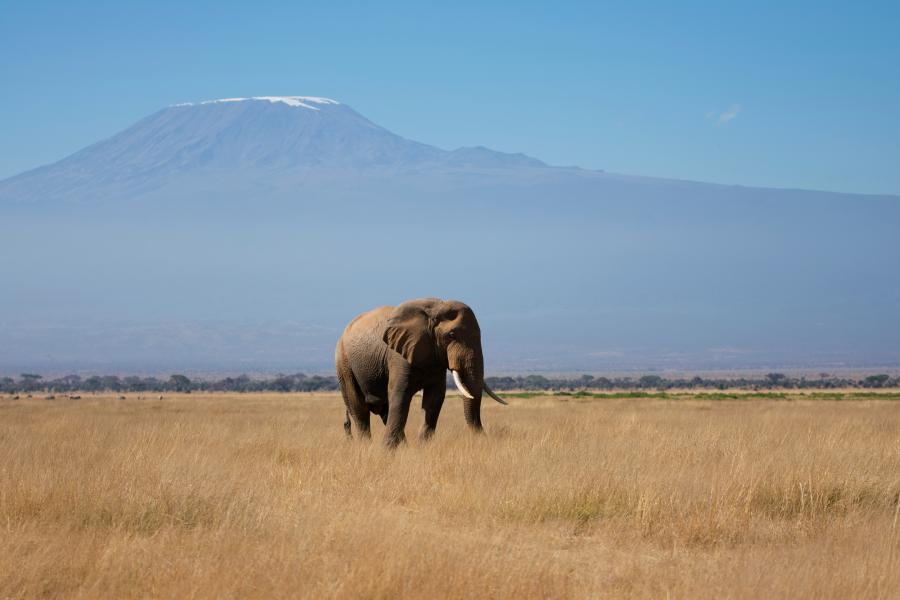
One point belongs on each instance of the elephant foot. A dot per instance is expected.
(426, 433)
(392, 441)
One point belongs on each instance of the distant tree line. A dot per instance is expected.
(300, 382)
(658, 382)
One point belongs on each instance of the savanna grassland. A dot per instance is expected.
(260, 495)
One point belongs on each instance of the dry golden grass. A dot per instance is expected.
(227, 496)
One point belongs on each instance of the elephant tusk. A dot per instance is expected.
(491, 393)
(459, 385)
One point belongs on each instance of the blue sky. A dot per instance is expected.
(786, 94)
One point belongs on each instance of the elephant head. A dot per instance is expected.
(433, 333)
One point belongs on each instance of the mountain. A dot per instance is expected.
(242, 235)
(277, 133)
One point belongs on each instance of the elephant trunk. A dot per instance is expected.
(469, 379)
(472, 409)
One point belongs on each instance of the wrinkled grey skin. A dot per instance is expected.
(388, 354)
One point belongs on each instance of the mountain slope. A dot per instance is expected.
(238, 135)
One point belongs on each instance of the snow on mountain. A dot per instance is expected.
(303, 101)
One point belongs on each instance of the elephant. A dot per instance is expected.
(386, 355)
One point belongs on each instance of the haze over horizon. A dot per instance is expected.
(243, 234)
(610, 187)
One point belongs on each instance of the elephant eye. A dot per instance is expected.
(452, 334)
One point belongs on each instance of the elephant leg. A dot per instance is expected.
(432, 401)
(398, 411)
(359, 412)
(354, 400)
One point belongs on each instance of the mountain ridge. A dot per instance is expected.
(275, 135)
(269, 132)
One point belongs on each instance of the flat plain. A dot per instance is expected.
(261, 495)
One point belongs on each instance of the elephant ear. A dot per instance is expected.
(408, 332)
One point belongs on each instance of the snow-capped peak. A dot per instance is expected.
(297, 101)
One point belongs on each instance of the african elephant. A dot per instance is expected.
(388, 354)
